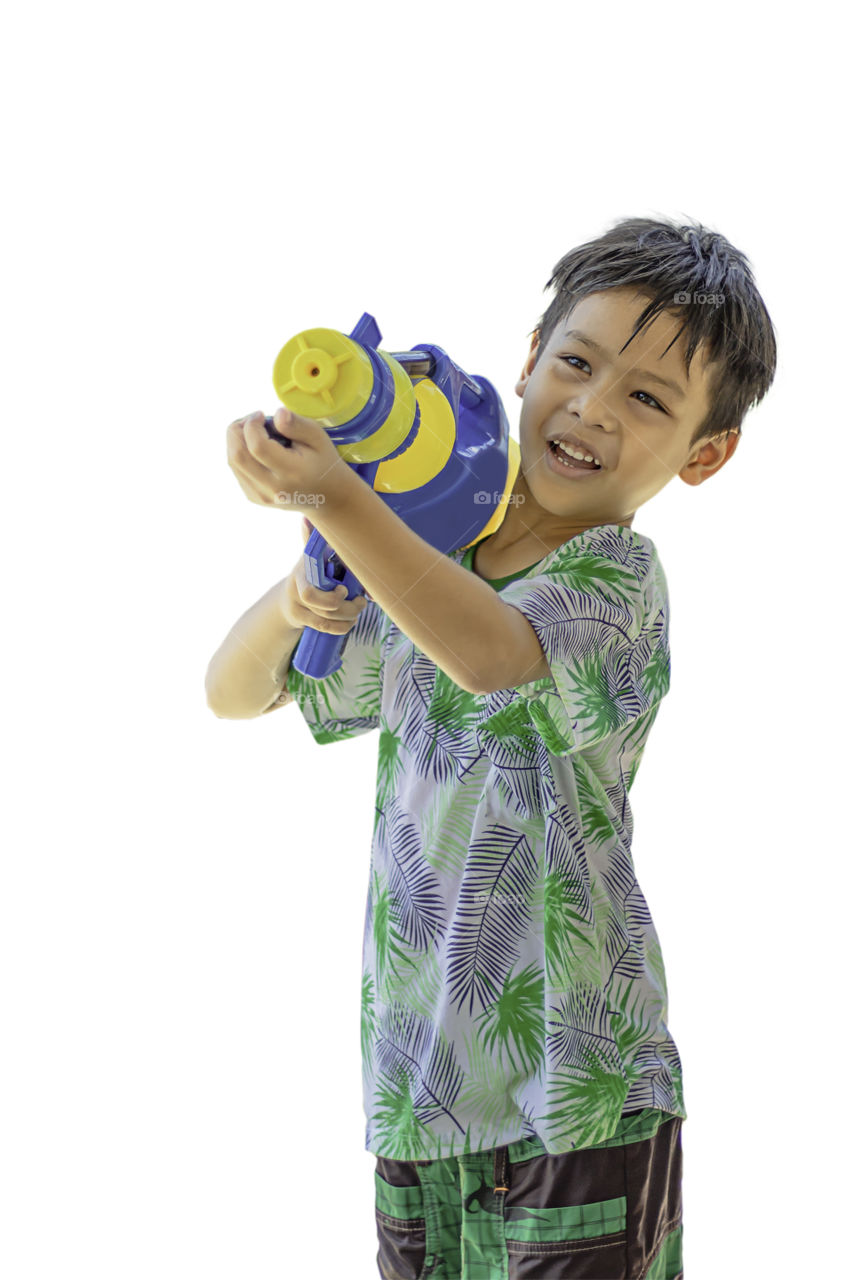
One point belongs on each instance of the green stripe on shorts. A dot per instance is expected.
(398, 1202)
(575, 1222)
(668, 1261)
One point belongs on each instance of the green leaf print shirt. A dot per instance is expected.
(513, 985)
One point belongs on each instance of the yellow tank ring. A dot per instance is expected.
(324, 375)
(497, 517)
(429, 451)
(391, 433)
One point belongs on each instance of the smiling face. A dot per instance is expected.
(635, 412)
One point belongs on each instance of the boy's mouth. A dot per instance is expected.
(563, 462)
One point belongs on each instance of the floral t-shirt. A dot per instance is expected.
(513, 985)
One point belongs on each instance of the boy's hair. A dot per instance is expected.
(698, 276)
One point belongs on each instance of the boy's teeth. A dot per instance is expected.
(576, 453)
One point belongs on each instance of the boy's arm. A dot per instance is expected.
(252, 661)
(524, 659)
(451, 615)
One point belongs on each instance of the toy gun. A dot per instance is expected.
(433, 442)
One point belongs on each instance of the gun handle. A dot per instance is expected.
(318, 653)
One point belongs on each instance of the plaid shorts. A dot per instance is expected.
(608, 1212)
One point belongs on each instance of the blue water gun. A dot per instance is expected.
(433, 442)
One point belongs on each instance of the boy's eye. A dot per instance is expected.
(648, 397)
(656, 403)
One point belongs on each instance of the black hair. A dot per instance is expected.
(696, 275)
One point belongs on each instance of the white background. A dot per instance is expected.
(187, 186)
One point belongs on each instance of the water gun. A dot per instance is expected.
(433, 442)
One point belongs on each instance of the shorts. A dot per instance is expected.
(609, 1212)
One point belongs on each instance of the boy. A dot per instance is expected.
(523, 1093)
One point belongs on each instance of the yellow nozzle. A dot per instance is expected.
(323, 374)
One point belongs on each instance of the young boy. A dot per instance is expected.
(523, 1092)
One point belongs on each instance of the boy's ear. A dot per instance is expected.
(708, 457)
(528, 365)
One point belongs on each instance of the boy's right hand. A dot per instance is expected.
(304, 605)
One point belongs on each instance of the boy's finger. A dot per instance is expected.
(307, 529)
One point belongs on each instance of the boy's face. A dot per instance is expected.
(636, 427)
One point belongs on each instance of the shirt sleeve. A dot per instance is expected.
(601, 617)
(348, 702)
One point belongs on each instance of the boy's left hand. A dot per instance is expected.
(309, 473)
